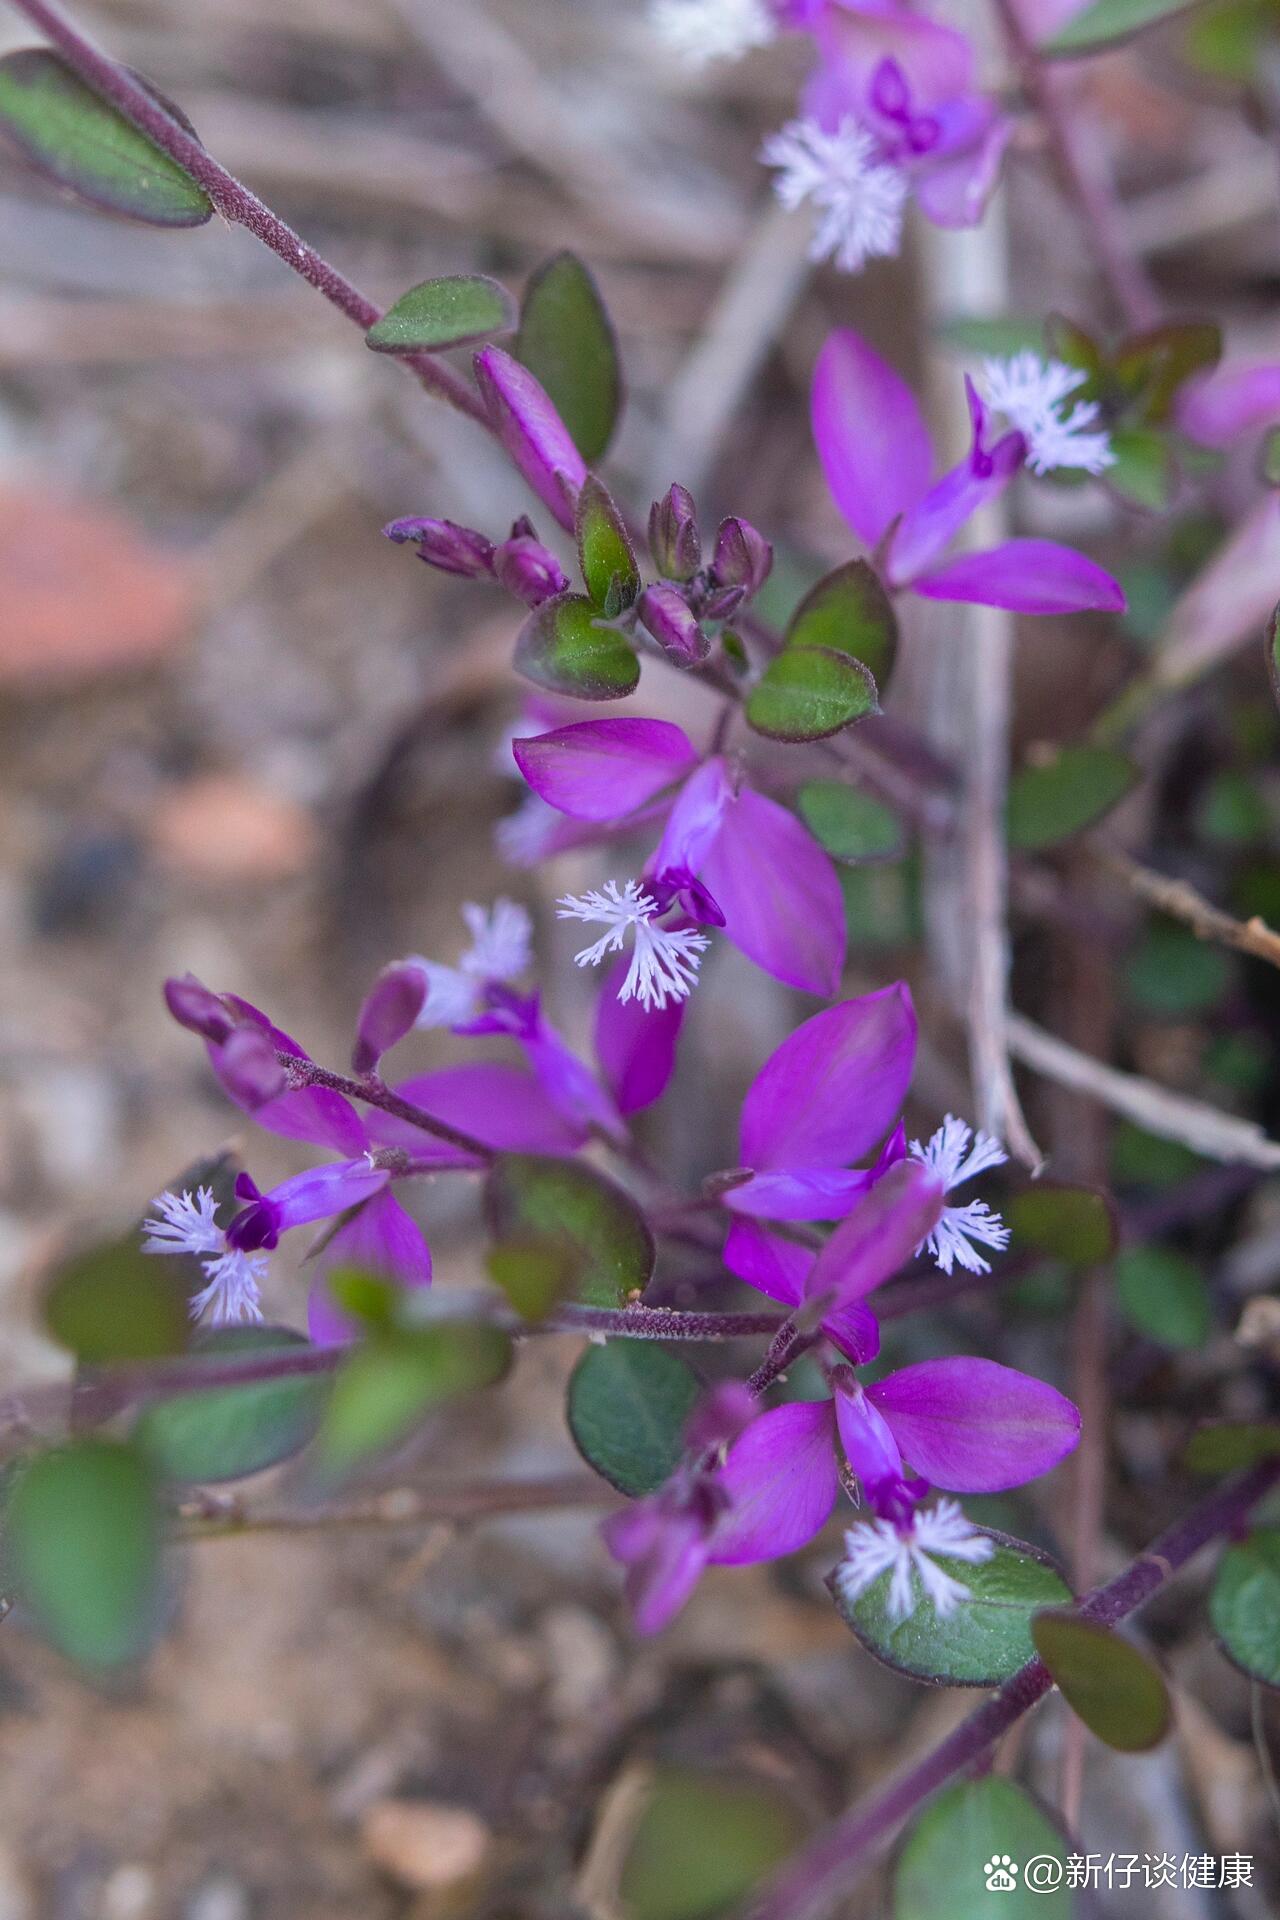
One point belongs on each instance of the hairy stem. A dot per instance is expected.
(469, 1500)
(820, 1877)
(234, 201)
(375, 1093)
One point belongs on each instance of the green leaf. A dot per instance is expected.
(577, 1217)
(1074, 1224)
(703, 1842)
(83, 1542)
(1114, 1688)
(1001, 338)
(1244, 1606)
(807, 692)
(1163, 1295)
(566, 339)
(1229, 40)
(397, 1376)
(448, 312)
(1060, 797)
(1233, 811)
(115, 1303)
(1271, 653)
(605, 552)
(1220, 1446)
(1152, 366)
(1173, 974)
(852, 826)
(983, 1641)
(628, 1404)
(223, 1433)
(68, 134)
(942, 1871)
(849, 612)
(1107, 23)
(1144, 470)
(562, 647)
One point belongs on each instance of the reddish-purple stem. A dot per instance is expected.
(820, 1877)
(234, 201)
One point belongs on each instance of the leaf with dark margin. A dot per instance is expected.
(851, 825)
(224, 1433)
(578, 1217)
(1163, 1294)
(605, 552)
(985, 1640)
(809, 692)
(66, 132)
(394, 1378)
(627, 1407)
(451, 311)
(566, 339)
(849, 611)
(562, 646)
(1110, 1684)
(1221, 1446)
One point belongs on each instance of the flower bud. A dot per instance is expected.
(391, 1008)
(743, 557)
(529, 570)
(536, 438)
(193, 1006)
(722, 602)
(248, 1068)
(674, 540)
(720, 1416)
(443, 544)
(668, 617)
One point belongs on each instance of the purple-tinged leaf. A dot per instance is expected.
(605, 553)
(451, 311)
(810, 692)
(566, 338)
(1115, 1689)
(567, 647)
(850, 612)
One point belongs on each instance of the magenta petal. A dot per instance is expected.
(870, 434)
(835, 1086)
(694, 820)
(324, 1118)
(782, 1480)
(664, 1554)
(604, 769)
(972, 1426)
(501, 1105)
(856, 1331)
(767, 1262)
(532, 431)
(782, 903)
(1026, 576)
(931, 525)
(571, 1088)
(1217, 407)
(869, 1445)
(802, 1193)
(324, 1191)
(879, 1236)
(636, 1048)
(390, 1010)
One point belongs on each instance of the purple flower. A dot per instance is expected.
(445, 545)
(727, 857)
(877, 455)
(391, 1009)
(555, 1110)
(528, 569)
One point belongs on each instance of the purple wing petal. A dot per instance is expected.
(501, 1105)
(855, 1330)
(380, 1239)
(532, 431)
(782, 1480)
(955, 193)
(800, 1193)
(834, 1088)
(870, 434)
(981, 476)
(636, 1048)
(972, 1426)
(695, 819)
(869, 1445)
(782, 902)
(879, 1236)
(324, 1191)
(316, 1114)
(767, 1262)
(571, 1088)
(604, 769)
(1026, 576)
(1217, 407)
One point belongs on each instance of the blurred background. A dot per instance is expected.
(243, 735)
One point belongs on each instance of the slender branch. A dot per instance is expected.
(1181, 901)
(820, 1877)
(401, 1507)
(234, 201)
(375, 1093)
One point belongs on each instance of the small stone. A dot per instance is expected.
(425, 1845)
